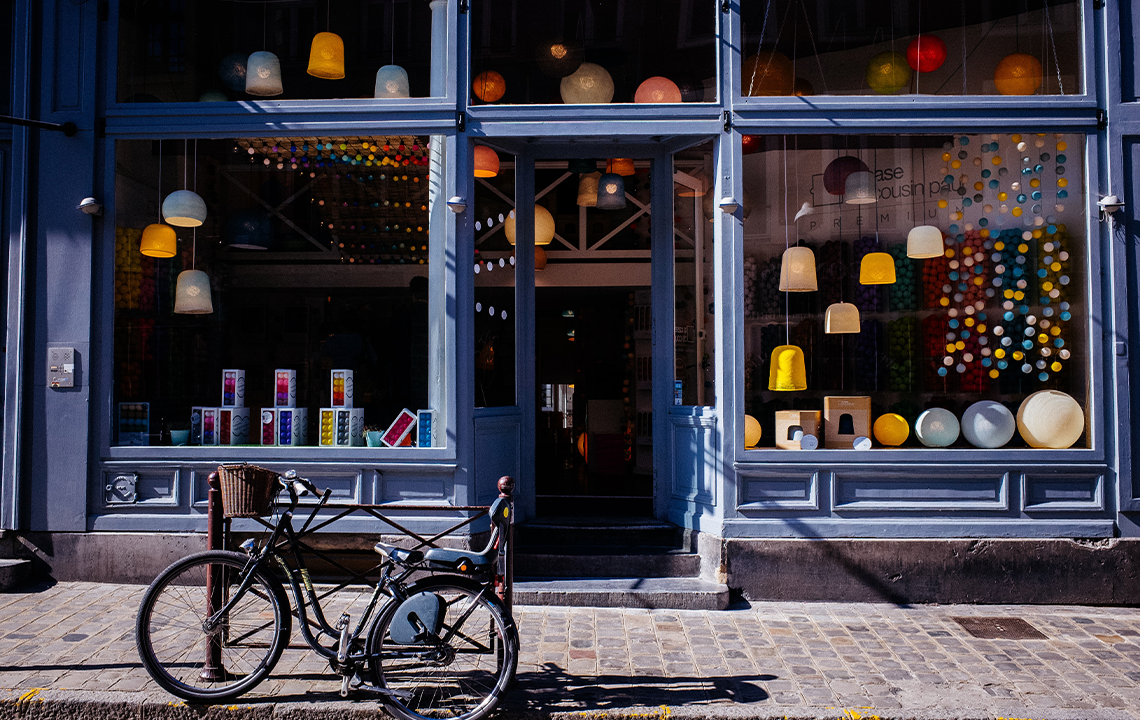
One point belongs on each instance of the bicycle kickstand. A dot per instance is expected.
(342, 654)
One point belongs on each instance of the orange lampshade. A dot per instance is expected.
(620, 166)
(486, 162)
(489, 86)
(657, 89)
(326, 59)
(539, 258)
(1018, 74)
(877, 268)
(159, 241)
(789, 372)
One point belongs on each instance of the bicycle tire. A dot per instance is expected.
(464, 680)
(173, 645)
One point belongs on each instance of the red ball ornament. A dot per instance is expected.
(750, 143)
(926, 53)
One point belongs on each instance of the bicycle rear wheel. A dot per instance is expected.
(220, 663)
(460, 677)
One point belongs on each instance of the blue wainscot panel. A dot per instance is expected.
(695, 455)
(497, 449)
(1049, 492)
(790, 490)
(920, 489)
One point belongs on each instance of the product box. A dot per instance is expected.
(341, 427)
(284, 388)
(341, 388)
(425, 422)
(196, 425)
(210, 426)
(844, 420)
(404, 423)
(233, 425)
(793, 425)
(233, 388)
(292, 426)
(134, 423)
(267, 428)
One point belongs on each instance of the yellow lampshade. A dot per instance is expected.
(797, 270)
(486, 162)
(159, 241)
(588, 189)
(789, 371)
(326, 58)
(620, 166)
(1050, 419)
(543, 226)
(860, 188)
(891, 429)
(657, 89)
(1018, 74)
(752, 431)
(841, 318)
(877, 268)
(924, 241)
(489, 86)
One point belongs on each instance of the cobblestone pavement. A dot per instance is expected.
(817, 660)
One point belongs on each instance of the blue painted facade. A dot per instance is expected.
(57, 451)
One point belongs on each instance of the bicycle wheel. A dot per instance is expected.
(461, 673)
(220, 663)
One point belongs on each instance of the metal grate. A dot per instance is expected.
(999, 628)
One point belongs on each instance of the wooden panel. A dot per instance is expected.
(1043, 493)
(782, 491)
(695, 462)
(411, 487)
(498, 452)
(860, 491)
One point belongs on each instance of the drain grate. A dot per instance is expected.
(999, 628)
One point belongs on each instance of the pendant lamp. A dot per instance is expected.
(486, 162)
(184, 208)
(192, 293)
(539, 258)
(588, 189)
(797, 270)
(590, 84)
(159, 240)
(559, 57)
(789, 373)
(877, 268)
(489, 86)
(249, 230)
(326, 58)
(860, 188)
(841, 317)
(657, 89)
(392, 82)
(611, 192)
(924, 241)
(582, 166)
(263, 74)
(543, 226)
(621, 166)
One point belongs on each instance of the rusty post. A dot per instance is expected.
(212, 669)
(506, 490)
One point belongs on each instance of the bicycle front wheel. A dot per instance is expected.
(462, 671)
(211, 662)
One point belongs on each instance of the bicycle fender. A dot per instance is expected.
(418, 619)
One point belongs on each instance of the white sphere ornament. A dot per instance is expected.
(392, 82)
(937, 427)
(192, 293)
(988, 424)
(184, 208)
(263, 74)
(589, 84)
(1050, 419)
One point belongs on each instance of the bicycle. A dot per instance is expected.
(213, 624)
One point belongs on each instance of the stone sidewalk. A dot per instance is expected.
(67, 651)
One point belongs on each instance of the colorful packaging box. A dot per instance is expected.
(284, 388)
(196, 425)
(267, 428)
(425, 422)
(292, 426)
(233, 425)
(400, 428)
(211, 426)
(233, 388)
(341, 388)
(134, 423)
(341, 427)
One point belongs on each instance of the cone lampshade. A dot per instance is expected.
(860, 189)
(788, 371)
(326, 58)
(184, 208)
(924, 241)
(611, 192)
(797, 270)
(877, 268)
(841, 318)
(159, 241)
(192, 293)
(588, 189)
(392, 82)
(263, 74)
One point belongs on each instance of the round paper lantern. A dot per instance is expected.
(838, 170)
(213, 96)
(611, 192)
(590, 84)
(797, 270)
(559, 58)
(926, 53)
(232, 71)
(192, 293)
(489, 86)
(159, 241)
(752, 431)
(1018, 74)
(657, 89)
(937, 427)
(539, 258)
(860, 188)
(486, 162)
(326, 57)
(877, 268)
(263, 74)
(841, 318)
(1050, 419)
(620, 166)
(392, 82)
(887, 73)
(767, 73)
(789, 371)
(988, 424)
(891, 429)
(924, 241)
(802, 88)
(184, 208)
(543, 226)
(588, 189)
(751, 143)
(249, 230)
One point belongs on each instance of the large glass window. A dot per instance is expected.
(916, 291)
(694, 377)
(494, 268)
(299, 312)
(915, 47)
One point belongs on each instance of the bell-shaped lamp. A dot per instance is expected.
(788, 372)
(543, 226)
(559, 57)
(159, 241)
(392, 82)
(797, 270)
(657, 89)
(263, 74)
(621, 166)
(589, 84)
(924, 241)
(860, 189)
(486, 162)
(588, 189)
(184, 208)
(877, 268)
(539, 258)
(192, 293)
(841, 317)
(582, 166)
(326, 58)
(611, 192)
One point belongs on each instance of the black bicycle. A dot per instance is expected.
(213, 624)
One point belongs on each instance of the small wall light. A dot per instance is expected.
(729, 205)
(90, 206)
(1109, 204)
(457, 205)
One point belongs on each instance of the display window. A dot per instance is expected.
(277, 291)
(694, 346)
(577, 52)
(916, 292)
(911, 47)
(494, 269)
(235, 50)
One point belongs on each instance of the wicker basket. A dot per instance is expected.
(247, 490)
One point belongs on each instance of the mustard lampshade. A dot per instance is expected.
(326, 58)
(924, 241)
(860, 188)
(752, 431)
(588, 189)
(877, 268)
(192, 293)
(789, 371)
(611, 192)
(486, 162)
(841, 318)
(543, 226)
(263, 74)
(159, 241)
(620, 166)
(657, 89)
(392, 82)
(797, 270)
(184, 208)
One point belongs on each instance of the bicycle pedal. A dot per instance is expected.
(343, 622)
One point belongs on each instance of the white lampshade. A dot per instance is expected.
(263, 74)
(589, 84)
(184, 208)
(937, 427)
(924, 241)
(988, 424)
(841, 318)
(806, 209)
(1050, 419)
(860, 188)
(392, 82)
(192, 295)
(797, 270)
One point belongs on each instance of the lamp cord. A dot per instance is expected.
(160, 180)
(787, 295)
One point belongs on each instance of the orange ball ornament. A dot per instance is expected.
(657, 89)
(887, 73)
(489, 86)
(767, 73)
(1018, 74)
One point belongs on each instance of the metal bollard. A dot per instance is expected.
(212, 669)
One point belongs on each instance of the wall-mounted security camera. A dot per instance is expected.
(90, 206)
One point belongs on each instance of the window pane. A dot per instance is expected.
(921, 47)
(309, 279)
(6, 7)
(960, 261)
(202, 50)
(494, 280)
(694, 381)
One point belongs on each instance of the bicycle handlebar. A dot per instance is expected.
(298, 486)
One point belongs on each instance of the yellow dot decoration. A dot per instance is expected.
(978, 185)
(944, 302)
(1034, 183)
(1002, 196)
(949, 252)
(1062, 145)
(950, 348)
(1055, 367)
(960, 345)
(1016, 137)
(999, 245)
(969, 322)
(982, 328)
(1023, 248)
(1046, 286)
(956, 164)
(1016, 212)
(1062, 182)
(945, 157)
(1055, 267)
(1019, 295)
(1018, 355)
(993, 374)
(999, 353)
(996, 159)
(942, 204)
(1055, 330)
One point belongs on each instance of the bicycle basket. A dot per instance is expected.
(247, 490)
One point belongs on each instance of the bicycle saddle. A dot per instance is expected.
(398, 554)
(461, 560)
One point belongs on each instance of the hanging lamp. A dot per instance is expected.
(590, 84)
(621, 166)
(611, 192)
(657, 89)
(489, 86)
(184, 208)
(559, 57)
(539, 258)
(263, 74)
(192, 293)
(326, 58)
(543, 226)
(392, 82)
(588, 189)
(924, 241)
(797, 270)
(159, 240)
(860, 188)
(486, 162)
(877, 268)
(581, 166)
(788, 369)
(841, 317)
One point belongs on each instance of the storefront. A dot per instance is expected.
(768, 270)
